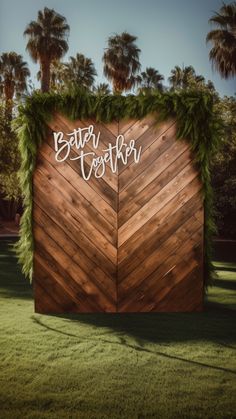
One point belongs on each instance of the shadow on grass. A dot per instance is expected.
(210, 324)
(155, 328)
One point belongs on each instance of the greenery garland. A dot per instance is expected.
(196, 121)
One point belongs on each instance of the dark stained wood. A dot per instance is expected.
(148, 266)
(146, 294)
(132, 201)
(155, 204)
(79, 183)
(72, 227)
(105, 223)
(130, 241)
(75, 251)
(154, 142)
(95, 235)
(77, 279)
(157, 236)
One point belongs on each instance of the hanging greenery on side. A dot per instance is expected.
(196, 121)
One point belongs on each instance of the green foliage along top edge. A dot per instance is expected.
(196, 121)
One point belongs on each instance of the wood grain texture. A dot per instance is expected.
(131, 241)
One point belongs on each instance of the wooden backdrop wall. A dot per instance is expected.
(127, 242)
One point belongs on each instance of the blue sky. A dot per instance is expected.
(170, 32)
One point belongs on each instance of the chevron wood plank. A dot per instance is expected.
(105, 225)
(155, 204)
(130, 240)
(95, 235)
(124, 125)
(149, 155)
(62, 282)
(149, 264)
(146, 295)
(80, 185)
(77, 275)
(72, 227)
(76, 253)
(177, 202)
(138, 196)
(135, 256)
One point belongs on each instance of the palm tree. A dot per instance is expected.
(80, 71)
(47, 41)
(190, 78)
(176, 77)
(13, 75)
(102, 89)
(150, 79)
(223, 39)
(185, 77)
(121, 61)
(210, 86)
(57, 75)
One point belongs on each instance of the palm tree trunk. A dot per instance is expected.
(45, 75)
(9, 93)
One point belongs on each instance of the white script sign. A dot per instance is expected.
(78, 138)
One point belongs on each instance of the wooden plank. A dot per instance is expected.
(107, 284)
(70, 226)
(81, 186)
(96, 237)
(125, 124)
(48, 175)
(160, 254)
(177, 202)
(186, 295)
(158, 145)
(155, 204)
(139, 195)
(43, 302)
(113, 127)
(106, 134)
(63, 283)
(85, 223)
(148, 244)
(147, 138)
(55, 290)
(78, 276)
(135, 132)
(179, 273)
(145, 295)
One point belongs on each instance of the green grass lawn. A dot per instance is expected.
(116, 366)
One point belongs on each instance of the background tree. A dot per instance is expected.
(223, 39)
(57, 70)
(150, 80)
(186, 78)
(176, 77)
(224, 171)
(79, 71)
(9, 165)
(13, 78)
(102, 89)
(47, 41)
(121, 61)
